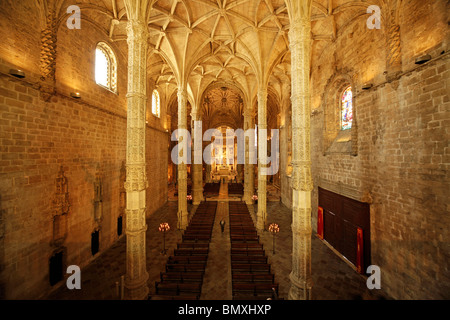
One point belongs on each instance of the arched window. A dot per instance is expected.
(346, 109)
(156, 110)
(105, 67)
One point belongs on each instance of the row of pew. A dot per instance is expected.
(252, 278)
(183, 276)
(235, 189)
(211, 189)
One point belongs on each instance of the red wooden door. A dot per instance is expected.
(342, 217)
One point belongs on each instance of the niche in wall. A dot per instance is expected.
(56, 267)
(340, 129)
(119, 226)
(95, 241)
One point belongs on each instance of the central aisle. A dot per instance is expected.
(217, 278)
(223, 191)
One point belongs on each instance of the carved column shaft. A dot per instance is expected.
(208, 173)
(136, 181)
(248, 166)
(284, 142)
(240, 170)
(261, 216)
(197, 174)
(300, 42)
(182, 166)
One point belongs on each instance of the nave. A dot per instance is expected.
(333, 278)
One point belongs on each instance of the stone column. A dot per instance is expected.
(239, 169)
(182, 166)
(249, 185)
(136, 180)
(197, 174)
(284, 147)
(208, 173)
(261, 216)
(300, 46)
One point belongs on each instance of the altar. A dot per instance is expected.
(224, 170)
(224, 173)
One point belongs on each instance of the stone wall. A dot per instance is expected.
(402, 154)
(86, 137)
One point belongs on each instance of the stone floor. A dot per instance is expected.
(333, 279)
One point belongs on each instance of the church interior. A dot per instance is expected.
(338, 190)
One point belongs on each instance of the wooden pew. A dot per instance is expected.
(243, 232)
(175, 289)
(248, 259)
(256, 289)
(252, 278)
(186, 267)
(190, 252)
(195, 238)
(181, 297)
(181, 277)
(250, 268)
(247, 246)
(244, 252)
(184, 272)
(193, 246)
(244, 238)
(187, 259)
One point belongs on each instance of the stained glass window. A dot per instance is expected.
(155, 103)
(346, 109)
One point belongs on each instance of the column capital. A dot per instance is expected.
(195, 115)
(299, 32)
(262, 93)
(298, 10)
(248, 113)
(182, 92)
(137, 30)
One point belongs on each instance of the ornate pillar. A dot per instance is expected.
(285, 145)
(136, 181)
(249, 185)
(261, 216)
(207, 173)
(197, 173)
(239, 169)
(182, 166)
(300, 46)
